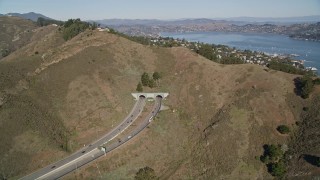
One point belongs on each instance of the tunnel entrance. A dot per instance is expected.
(142, 96)
(159, 96)
(150, 96)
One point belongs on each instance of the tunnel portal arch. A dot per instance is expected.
(150, 95)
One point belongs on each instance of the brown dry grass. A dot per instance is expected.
(15, 33)
(175, 145)
(224, 113)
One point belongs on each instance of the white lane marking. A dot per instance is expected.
(58, 168)
(122, 130)
(140, 104)
(84, 155)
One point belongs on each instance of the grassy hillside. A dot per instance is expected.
(72, 92)
(14, 33)
(305, 146)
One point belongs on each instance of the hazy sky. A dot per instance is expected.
(162, 9)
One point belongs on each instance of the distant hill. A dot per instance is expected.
(234, 20)
(298, 27)
(282, 20)
(153, 27)
(31, 15)
(127, 21)
(130, 22)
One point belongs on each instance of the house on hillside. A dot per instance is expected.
(103, 29)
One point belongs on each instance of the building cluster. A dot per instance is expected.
(222, 51)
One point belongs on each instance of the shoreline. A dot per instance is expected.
(280, 44)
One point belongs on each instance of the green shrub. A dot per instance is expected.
(5, 52)
(283, 129)
(156, 76)
(298, 123)
(207, 51)
(277, 169)
(284, 67)
(316, 81)
(273, 157)
(151, 83)
(272, 153)
(139, 87)
(145, 79)
(145, 173)
(73, 27)
(318, 162)
(305, 85)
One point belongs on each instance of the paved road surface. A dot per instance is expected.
(96, 153)
(88, 153)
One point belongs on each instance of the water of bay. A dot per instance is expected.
(269, 43)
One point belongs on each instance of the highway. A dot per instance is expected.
(93, 151)
(89, 149)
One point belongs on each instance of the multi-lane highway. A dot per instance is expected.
(94, 150)
(137, 109)
(138, 129)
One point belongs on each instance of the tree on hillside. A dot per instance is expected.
(285, 67)
(151, 83)
(206, 51)
(273, 157)
(44, 22)
(94, 26)
(145, 79)
(139, 87)
(316, 81)
(277, 169)
(271, 153)
(68, 23)
(145, 173)
(283, 129)
(73, 27)
(318, 162)
(307, 86)
(156, 76)
(5, 52)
